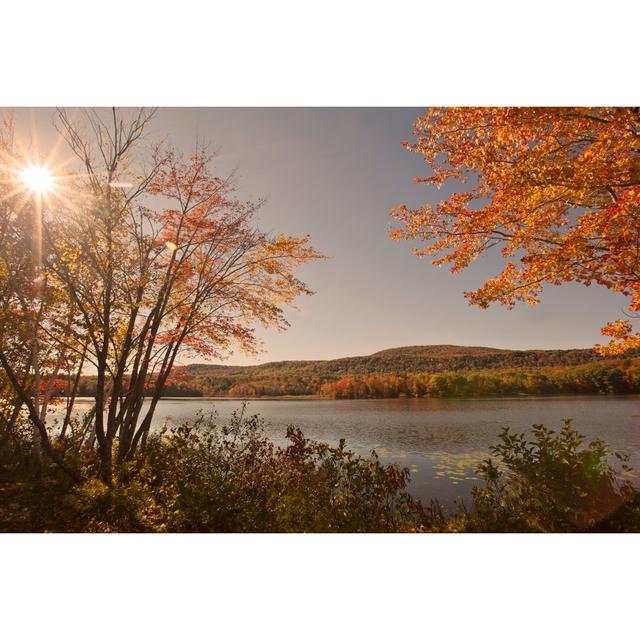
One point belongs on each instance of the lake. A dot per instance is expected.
(439, 439)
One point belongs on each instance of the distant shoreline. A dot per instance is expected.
(327, 398)
(231, 398)
(307, 397)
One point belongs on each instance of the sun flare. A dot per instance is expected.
(37, 179)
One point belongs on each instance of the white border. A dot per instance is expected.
(335, 52)
(320, 586)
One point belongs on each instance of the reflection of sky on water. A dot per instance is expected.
(440, 440)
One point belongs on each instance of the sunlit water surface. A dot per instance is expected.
(439, 439)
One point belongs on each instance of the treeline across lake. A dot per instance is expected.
(610, 376)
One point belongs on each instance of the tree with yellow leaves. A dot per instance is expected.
(147, 256)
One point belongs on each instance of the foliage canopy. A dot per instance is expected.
(557, 189)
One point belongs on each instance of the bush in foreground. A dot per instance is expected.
(550, 483)
(205, 477)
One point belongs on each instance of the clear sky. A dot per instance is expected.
(335, 174)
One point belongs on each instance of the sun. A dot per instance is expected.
(37, 179)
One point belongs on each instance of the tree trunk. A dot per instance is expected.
(106, 462)
(34, 416)
(36, 447)
(72, 395)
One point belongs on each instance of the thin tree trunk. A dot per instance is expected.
(49, 390)
(106, 462)
(38, 424)
(36, 449)
(89, 429)
(72, 396)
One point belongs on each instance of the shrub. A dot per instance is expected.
(202, 476)
(15, 448)
(549, 483)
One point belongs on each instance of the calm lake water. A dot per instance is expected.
(439, 439)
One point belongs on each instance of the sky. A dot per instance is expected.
(335, 174)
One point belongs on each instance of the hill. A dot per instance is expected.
(388, 373)
(415, 359)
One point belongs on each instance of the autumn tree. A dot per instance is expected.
(556, 189)
(29, 303)
(155, 257)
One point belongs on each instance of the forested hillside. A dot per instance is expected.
(439, 370)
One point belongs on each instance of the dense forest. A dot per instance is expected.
(439, 371)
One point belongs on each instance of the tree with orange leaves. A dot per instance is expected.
(557, 189)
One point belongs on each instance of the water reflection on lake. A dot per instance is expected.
(440, 439)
